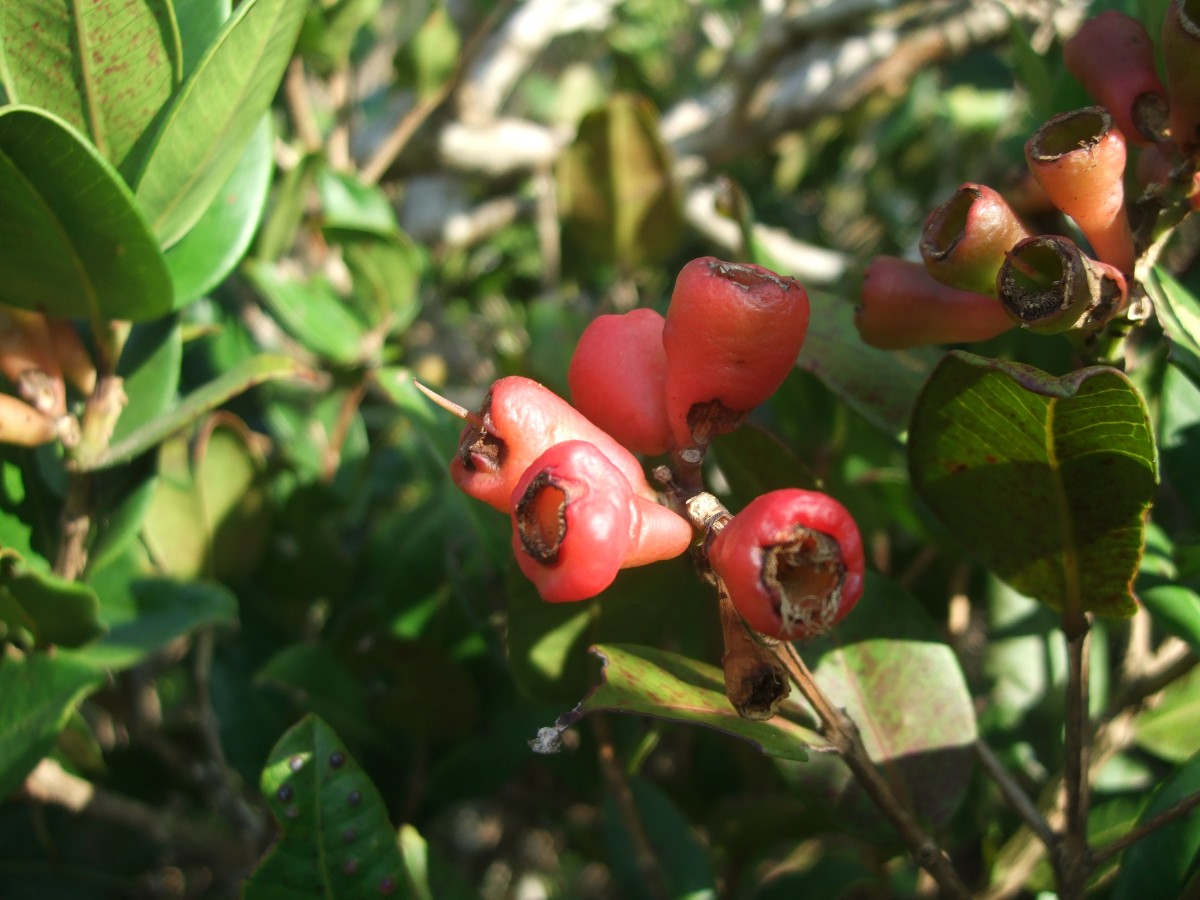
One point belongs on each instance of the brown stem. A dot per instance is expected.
(755, 681)
(1015, 795)
(841, 731)
(1176, 811)
(1072, 859)
(618, 785)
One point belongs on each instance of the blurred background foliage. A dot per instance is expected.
(451, 191)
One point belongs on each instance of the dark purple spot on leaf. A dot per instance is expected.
(336, 758)
(387, 886)
(292, 812)
(349, 835)
(354, 798)
(285, 793)
(350, 866)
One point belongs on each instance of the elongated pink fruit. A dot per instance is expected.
(1181, 59)
(965, 239)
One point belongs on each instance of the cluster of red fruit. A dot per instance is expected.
(581, 506)
(976, 249)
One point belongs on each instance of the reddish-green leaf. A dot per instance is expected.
(1047, 480)
(107, 67)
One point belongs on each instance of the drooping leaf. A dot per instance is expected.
(664, 685)
(883, 663)
(106, 67)
(254, 371)
(1045, 479)
(1161, 864)
(615, 188)
(207, 126)
(221, 236)
(1179, 311)
(881, 385)
(72, 240)
(53, 610)
(336, 839)
(40, 691)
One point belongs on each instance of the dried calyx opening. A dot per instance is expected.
(1039, 280)
(541, 516)
(1189, 17)
(750, 277)
(712, 418)
(948, 223)
(480, 448)
(805, 575)
(1069, 132)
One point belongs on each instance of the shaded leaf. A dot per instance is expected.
(213, 116)
(615, 189)
(312, 312)
(106, 67)
(880, 385)
(53, 610)
(665, 685)
(72, 241)
(40, 691)
(221, 236)
(1175, 609)
(1168, 729)
(385, 271)
(336, 839)
(754, 461)
(286, 209)
(1179, 312)
(1161, 864)
(242, 377)
(1047, 480)
(884, 662)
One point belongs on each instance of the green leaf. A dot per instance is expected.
(312, 312)
(200, 22)
(54, 610)
(664, 685)
(72, 241)
(336, 839)
(615, 188)
(144, 615)
(39, 692)
(241, 378)
(1168, 729)
(385, 271)
(684, 860)
(1179, 312)
(221, 236)
(1161, 864)
(886, 665)
(286, 209)
(330, 30)
(1175, 609)
(1178, 424)
(881, 385)
(1047, 480)
(106, 67)
(754, 461)
(214, 115)
(348, 202)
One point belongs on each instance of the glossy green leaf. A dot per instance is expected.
(1168, 729)
(684, 860)
(615, 188)
(1047, 480)
(1175, 609)
(1179, 451)
(1179, 312)
(664, 685)
(1161, 864)
(349, 203)
(199, 23)
(237, 380)
(213, 116)
(312, 312)
(336, 839)
(40, 691)
(287, 207)
(107, 67)
(72, 241)
(221, 236)
(884, 661)
(52, 609)
(881, 385)
(144, 615)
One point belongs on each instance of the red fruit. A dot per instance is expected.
(792, 561)
(518, 421)
(617, 377)
(731, 336)
(1112, 56)
(576, 523)
(904, 306)
(965, 239)
(1181, 60)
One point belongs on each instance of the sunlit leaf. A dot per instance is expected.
(1045, 479)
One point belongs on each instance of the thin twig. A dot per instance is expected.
(1015, 795)
(841, 731)
(618, 785)
(1071, 864)
(1177, 811)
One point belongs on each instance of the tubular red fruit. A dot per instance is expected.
(965, 239)
(903, 306)
(519, 420)
(1079, 159)
(792, 561)
(576, 523)
(1049, 286)
(23, 425)
(1181, 60)
(27, 360)
(1112, 56)
(618, 375)
(731, 336)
